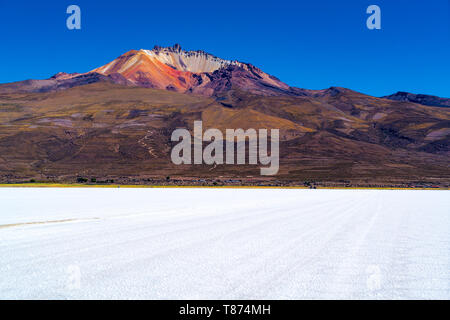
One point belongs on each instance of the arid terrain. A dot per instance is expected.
(114, 124)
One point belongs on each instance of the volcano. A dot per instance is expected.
(115, 123)
(190, 71)
(168, 68)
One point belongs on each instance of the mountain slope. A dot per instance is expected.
(115, 122)
(190, 71)
(109, 131)
(61, 81)
(144, 70)
(166, 68)
(197, 72)
(420, 98)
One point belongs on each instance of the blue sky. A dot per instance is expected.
(308, 44)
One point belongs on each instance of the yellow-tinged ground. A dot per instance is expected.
(62, 185)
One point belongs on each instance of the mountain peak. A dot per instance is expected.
(197, 61)
(172, 68)
(175, 48)
(423, 99)
(64, 75)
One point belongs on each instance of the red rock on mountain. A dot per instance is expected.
(168, 68)
(190, 71)
(115, 123)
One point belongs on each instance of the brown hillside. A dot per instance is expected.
(108, 131)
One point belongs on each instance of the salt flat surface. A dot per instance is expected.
(224, 244)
